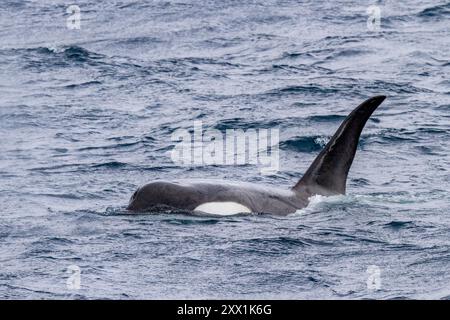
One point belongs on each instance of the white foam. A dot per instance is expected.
(56, 49)
(317, 201)
(222, 208)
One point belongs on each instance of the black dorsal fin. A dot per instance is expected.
(328, 172)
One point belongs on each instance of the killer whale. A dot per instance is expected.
(327, 175)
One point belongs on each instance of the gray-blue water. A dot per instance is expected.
(86, 117)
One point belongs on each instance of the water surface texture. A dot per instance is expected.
(86, 116)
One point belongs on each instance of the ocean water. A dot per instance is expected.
(86, 116)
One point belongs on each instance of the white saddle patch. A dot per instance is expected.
(222, 208)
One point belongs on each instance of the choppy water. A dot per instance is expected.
(86, 117)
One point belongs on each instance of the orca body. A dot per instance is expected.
(326, 176)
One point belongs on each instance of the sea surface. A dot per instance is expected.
(87, 115)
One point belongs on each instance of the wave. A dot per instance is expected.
(49, 58)
(75, 53)
(123, 145)
(320, 203)
(327, 118)
(396, 225)
(304, 144)
(83, 84)
(439, 11)
(305, 89)
(110, 165)
(241, 123)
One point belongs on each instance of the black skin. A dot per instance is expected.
(326, 176)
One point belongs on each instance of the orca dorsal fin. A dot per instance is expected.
(328, 173)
